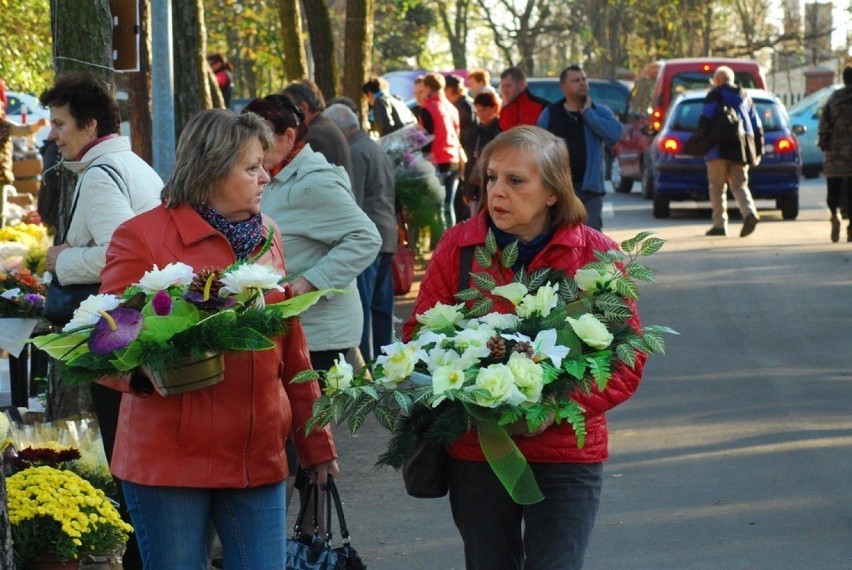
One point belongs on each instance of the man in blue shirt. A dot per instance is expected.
(586, 128)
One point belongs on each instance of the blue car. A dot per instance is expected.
(806, 113)
(677, 176)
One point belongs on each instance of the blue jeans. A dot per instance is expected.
(555, 532)
(375, 288)
(171, 525)
(450, 180)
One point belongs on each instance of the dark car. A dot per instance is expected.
(677, 176)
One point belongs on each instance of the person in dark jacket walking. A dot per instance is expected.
(389, 112)
(835, 140)
(586, 128)
(487, 127)
(728, 161)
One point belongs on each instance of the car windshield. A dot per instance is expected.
(683, 82)
(613, 96)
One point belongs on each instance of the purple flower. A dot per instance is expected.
(116, 329)
(34, 299)
(212, 303)
(162, 304)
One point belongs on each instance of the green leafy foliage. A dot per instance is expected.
(483, 258)
(484, 281)
(469, 294)
(510, 255)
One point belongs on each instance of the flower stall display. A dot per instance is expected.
(417, 186)
(175, 324)
(21, 305)
(56, 513)
(497, 371)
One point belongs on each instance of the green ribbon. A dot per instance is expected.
(507, 462)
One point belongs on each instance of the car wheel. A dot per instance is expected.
(661, 207)
(647, 184)
(789, 207)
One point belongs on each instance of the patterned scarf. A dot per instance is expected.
(243, 236)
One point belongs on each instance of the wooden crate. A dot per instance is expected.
(27, 167)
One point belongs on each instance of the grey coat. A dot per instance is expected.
(373, 183)
(327, 239)
(835, 134)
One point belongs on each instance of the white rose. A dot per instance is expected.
(174, 274)
(339, 376)
(441, 316)
(447, 378)
(499, 383)
(87, 313)
(514, 292)
(397, 363)
(591, 331)
(588, 279)
(542, 302)
(474, 338)
(500, 321)
(529, 376)
(438, 357)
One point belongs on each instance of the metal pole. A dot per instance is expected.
(162, 80)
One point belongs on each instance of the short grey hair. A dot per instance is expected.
(343, 117)
(723, 71)
(211, 144)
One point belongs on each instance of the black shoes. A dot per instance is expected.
(714, 231)
(835, 228)
(748, 225)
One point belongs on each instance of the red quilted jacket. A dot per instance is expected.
(570, 249)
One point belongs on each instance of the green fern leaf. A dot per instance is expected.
(483, 258)
(468, 294)
(626, 288)
(568, 290)
(599, 366)
(629, 244)
(386, 416)
(490, 243)
(484, 280)
(651, 246)
(626, 354)
(655, 342)
(641, 272)
(305, 376)
(480, 308)
(403, 401)
(510, 255)
(522, 278)
(576, 367)
(538, 278)
(371, 392)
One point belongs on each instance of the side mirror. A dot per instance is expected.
(799, 130)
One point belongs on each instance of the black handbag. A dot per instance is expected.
(425, 471)
(314, 552)
(61, 300)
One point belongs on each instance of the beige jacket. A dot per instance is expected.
(102, 206)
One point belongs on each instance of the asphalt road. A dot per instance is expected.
(736, 452)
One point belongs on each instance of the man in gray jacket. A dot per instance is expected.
(373, 187)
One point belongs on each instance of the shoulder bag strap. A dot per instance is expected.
(465, 267)
(113, 174)
(338, 505)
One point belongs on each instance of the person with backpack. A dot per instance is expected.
(735, 129)
(835, 140)
(389, 112)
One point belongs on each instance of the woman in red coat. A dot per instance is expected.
(216, 455)
(528, 196)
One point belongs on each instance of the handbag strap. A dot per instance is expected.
(331, 496)
(338, 505)
(116, 178)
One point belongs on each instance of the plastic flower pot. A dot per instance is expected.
(190, 374)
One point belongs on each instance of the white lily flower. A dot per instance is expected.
(514, 292)
(250, 277)
(397, 363)
(544, 301)
(87, 313)
(500, 321)
(545, 346)
(172, 275)
(441, 316)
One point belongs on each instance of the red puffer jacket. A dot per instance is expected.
(230, 435)
(524, 110)
(570, 249)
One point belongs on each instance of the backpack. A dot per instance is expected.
(727, 124)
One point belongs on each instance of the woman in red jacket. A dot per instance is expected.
(216, 455)
(528, 196)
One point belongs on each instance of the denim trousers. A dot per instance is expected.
(172, 524)
(375, 287)
(499, 534)
(450, 181)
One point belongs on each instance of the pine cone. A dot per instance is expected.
(523, 347)
(497, 346)
(200, 281)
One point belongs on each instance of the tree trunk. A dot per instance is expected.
(190, 61)
(82, 34)
(456, 30)
(357, 51)
(140, 90)
(322, 47)
(295, 60)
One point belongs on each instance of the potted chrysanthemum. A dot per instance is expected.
(58, 516)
